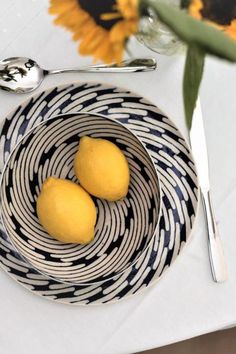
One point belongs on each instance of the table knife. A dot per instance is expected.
(199, 150)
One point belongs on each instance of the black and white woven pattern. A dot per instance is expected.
(174, 164)
(123, 229)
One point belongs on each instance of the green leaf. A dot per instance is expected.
(193, 72)
(185, 3)
(193, 31)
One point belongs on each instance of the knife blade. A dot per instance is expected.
(199, 150)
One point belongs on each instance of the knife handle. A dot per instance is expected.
(217, 259)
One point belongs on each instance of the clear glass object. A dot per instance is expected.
(156, 36)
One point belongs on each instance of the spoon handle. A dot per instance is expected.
(132, 65)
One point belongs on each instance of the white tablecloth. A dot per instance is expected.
(186, 302)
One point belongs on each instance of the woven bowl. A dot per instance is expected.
(123, 230)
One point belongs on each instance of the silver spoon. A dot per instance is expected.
(22, 75)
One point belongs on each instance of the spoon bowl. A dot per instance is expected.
(20, 75)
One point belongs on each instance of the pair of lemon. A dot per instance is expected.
(65, 209)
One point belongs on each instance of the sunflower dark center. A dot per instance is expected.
(219, 11)
(95, 8)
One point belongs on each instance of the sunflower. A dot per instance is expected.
(102, 27)
(221, 14)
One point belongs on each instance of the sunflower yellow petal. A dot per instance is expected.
(95, 40)
(195, 9)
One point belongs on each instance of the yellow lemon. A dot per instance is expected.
(66, 211)
(102, 168)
